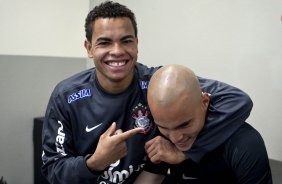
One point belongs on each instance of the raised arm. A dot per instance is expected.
(228, 110)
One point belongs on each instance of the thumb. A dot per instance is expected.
(111, 130)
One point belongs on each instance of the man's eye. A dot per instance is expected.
(185, 125)
(103, 43)
(127, 41)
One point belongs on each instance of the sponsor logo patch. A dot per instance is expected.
(60, 139)
(87, 129)
(78, 95)
(115, 176)
(144, 84)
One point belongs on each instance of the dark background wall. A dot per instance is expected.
(26, 83)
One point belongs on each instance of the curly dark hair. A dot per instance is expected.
(108, 9)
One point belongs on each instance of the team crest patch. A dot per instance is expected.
(142, 117)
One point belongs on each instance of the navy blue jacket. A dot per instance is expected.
(242, 159)
(79, 111)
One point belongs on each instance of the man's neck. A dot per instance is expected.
(115, 87)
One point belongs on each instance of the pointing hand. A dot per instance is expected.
(111, 147)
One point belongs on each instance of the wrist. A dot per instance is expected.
(182, 157)
(95, 164)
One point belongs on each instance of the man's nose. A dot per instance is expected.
(117, 49)
(175, 136)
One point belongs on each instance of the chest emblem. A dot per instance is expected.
(142, 117)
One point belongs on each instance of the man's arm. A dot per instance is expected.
(149, 178)
(59, 156)
(154, 173)
(161, 153)
(161, 149)
(229, 108)
(246, 155)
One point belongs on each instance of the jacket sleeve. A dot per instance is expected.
(246, 154)
(61, 163)
(228, 109)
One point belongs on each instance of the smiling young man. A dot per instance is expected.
(113, 47)
(98, 121)
(180, 110)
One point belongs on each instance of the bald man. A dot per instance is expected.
(180, 109)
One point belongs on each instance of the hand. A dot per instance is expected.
(160, 149)
(111, 147)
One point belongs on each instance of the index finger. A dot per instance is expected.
(150, 142)
(130, 133)
(154, 140)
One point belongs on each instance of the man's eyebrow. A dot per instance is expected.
(103, 39)
(183, 124)
(160, 126)
(179, 126)
(127, 36)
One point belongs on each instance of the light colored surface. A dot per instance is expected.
(43, 28)
(238, 42)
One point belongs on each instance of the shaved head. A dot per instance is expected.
(173, 83)
(177, 104)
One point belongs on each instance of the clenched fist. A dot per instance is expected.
(160, 149)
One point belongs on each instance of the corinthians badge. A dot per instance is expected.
(141, 114)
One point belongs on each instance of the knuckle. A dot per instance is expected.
(160, 154)
(158, 138)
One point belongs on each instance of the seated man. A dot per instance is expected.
(180, 108)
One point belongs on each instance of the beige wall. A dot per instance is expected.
(43, 28)
(41, 44)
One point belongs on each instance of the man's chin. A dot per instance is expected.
(183, 147)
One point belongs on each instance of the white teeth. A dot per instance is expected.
(117, 63)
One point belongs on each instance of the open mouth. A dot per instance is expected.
(117, 63)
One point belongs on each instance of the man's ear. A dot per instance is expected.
(88, 47)
(137, 44)
(205, 99)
